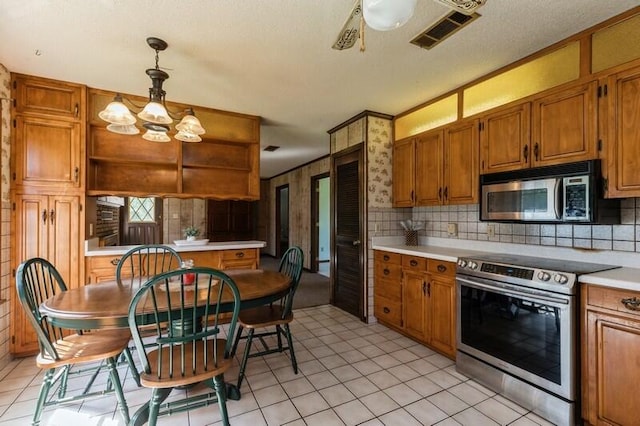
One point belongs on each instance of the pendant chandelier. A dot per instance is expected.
(155, 115)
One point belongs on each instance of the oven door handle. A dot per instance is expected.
(513, 293)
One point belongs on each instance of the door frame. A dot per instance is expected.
(359, 152)
(279, 252)
(315, 215)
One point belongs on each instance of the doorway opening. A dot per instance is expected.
(321, 224)
(142, 221)
(282, 220)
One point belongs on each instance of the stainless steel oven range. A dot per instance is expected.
(518, 330)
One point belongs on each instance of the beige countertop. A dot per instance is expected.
(91, 248)
(449, 254)
(622, 278)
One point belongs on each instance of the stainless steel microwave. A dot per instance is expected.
(569, 193)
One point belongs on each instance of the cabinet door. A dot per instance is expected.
(613, 357)
(47, 152)
(65, 238)
(429, 164)
(461, 164)
(414, 286)
(504, 140)
(403, 173)
(49, 97)
(623, 128)
(564, 126)
(442, 301)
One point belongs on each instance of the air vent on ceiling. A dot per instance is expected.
(271, 148)
(442, 29)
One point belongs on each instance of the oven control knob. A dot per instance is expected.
(544, 276)
(473, 265)
(560, 279)
(462, 263)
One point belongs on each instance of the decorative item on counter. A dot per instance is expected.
(411, 229)
(191, 232)
(189, 277)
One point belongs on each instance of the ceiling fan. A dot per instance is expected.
(386, 15)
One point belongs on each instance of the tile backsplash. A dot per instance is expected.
(622, 237)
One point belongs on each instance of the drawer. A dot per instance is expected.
(239, 254)
(100, 262)
(441, 267)
(387, 257)
(388, 288)
(388, 271)
(388, 311)
(611, 298)
(414, 263)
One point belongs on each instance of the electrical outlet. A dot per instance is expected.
(452, 229)
(491, 229)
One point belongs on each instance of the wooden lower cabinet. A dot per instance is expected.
(103, 268)
(611, 356)
(416, 296)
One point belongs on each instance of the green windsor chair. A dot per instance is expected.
(278, 315)
(193, 348)
(60, 350)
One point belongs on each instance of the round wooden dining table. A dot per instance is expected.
(106, 304)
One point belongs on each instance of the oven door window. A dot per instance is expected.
(518, 331)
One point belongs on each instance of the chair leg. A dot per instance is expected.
(294, 363)
(154, 405)
(243, 365)
(237, 340)
(117, 386)
(132, 366)
(279, 336)
(64, 380)
(221, 393)
(42, 397)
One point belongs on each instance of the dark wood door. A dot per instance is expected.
(230, 220)
(141, 228)
(347, 266)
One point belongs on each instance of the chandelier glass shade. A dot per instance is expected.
(155, 115)
(386, 15)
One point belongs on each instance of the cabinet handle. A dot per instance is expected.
(631, 303)
(446, 193)
(440, 193)
(240, 254)
(76, 174)
(44, 216)
(386, 310)
(429, 289)
(76, 111)
(386, 258)
(536, 150)
(52, 215)
(525, 153)
(115, 261)
(412, 196)
(424, 288)
(386, 271)
(442, 268)
(413, 262)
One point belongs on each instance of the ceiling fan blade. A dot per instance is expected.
(350, 30)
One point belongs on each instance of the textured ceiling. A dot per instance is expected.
(273, 58)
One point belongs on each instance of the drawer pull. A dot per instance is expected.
(115, 261)
(442, 268)
(386, 271)
(386, 310)
(631, 303)
(386, 257)
(240, 254)
(413, 262)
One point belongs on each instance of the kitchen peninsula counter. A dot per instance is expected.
(93, 249)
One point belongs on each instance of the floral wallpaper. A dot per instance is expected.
(379, 154)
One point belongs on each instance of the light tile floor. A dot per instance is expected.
(351, 373)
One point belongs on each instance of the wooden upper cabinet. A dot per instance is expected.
(461, 164)
(403, 172)
(429, 168)
(622, 135)
(505, 139)
(47, 152)
(34, 95)
(564, 126)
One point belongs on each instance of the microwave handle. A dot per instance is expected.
(559, 208)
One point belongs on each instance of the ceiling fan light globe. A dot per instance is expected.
(190, 124)
(155, 112)
(386, 15)
(117, 113)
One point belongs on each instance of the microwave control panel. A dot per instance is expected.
(576, 198)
